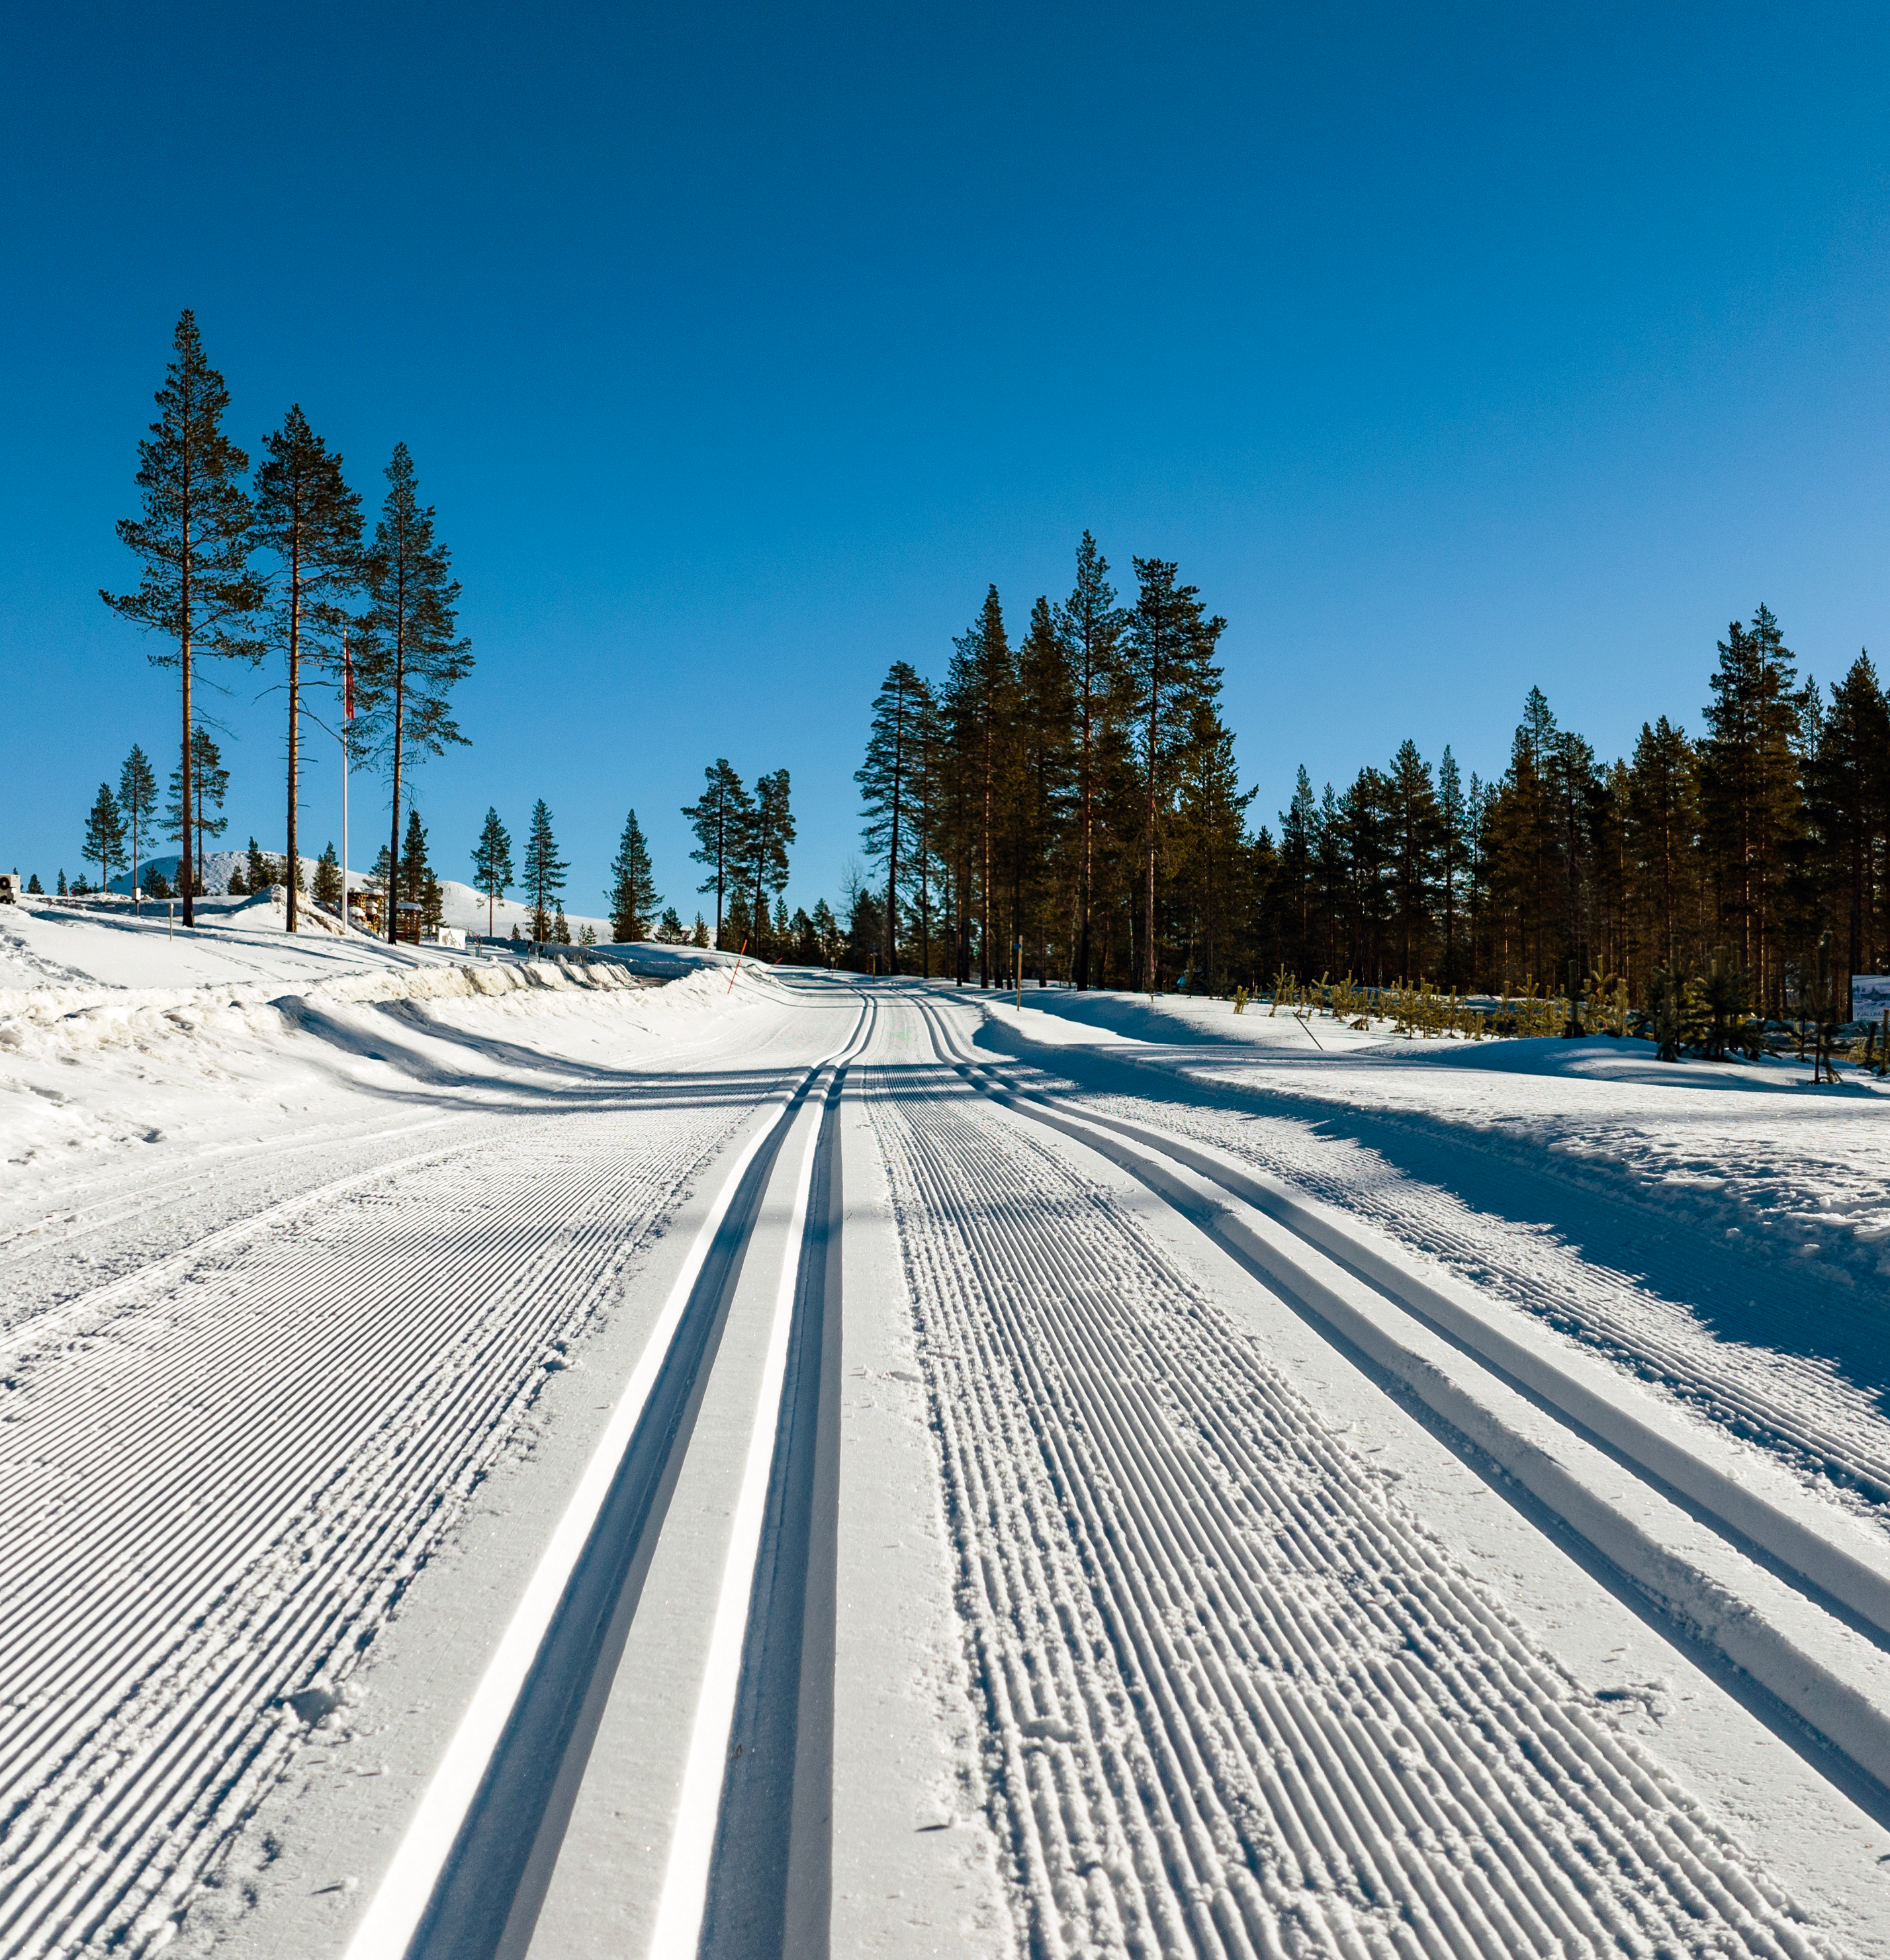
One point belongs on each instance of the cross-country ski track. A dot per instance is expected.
(855, 1481)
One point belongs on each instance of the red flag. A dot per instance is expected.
(347, 679)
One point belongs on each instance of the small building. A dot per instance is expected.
(11, 890)
(453, 935)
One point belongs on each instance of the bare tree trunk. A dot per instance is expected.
(400, 723)
(292, 864)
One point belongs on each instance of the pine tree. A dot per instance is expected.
(1848, 783)
(193, 816)
(259, 869)
(328, 878)
(721, 819)
(62, 886)
(1041, 759)
(1751, 804)
(561, 930)
(544, 871)
(1417, 835)
(34, 888)
(699, 933)
(492, 863)
(670, 931)
(105, 834)
(416, 873)
(979, 705)
(193, 537)
(1453, 844)
(407, 657)
(137, 799)
(633, 896)
(1296, 878)
(1215, 853)
(886, 778)
(1168, 666)
(309, 520)
(1091, 626)
(827, 930)
(1528, 873)
(771, 831)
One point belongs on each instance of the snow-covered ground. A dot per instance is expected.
(1118, 1478)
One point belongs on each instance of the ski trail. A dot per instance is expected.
(215, 1499)
(1798, 1408)
(1239, 1700)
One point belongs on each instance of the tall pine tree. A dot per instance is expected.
(544, 872)
(309, 521)
(407, 658)
(979, 706)
(1168, 669)
(1749, 792)
(1091, 624)
(886, 779)
(192, 538)
(633, 896)
(105, 834)
(492, 863)
(138, 799)
(771, 830)
(721, 818)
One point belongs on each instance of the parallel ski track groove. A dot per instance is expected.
(97, 1788)
(1807, 1436)
(1250, 1681)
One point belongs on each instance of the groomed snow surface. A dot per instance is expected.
(506, 1457)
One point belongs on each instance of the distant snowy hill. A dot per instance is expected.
(464, 906)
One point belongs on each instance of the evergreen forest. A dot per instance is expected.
(1063, 804)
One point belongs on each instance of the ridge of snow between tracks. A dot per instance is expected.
(679, 1922)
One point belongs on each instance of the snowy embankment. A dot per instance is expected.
(263, 1039)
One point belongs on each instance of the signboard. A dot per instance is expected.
(1869, 996)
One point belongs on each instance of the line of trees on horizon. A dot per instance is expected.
(1069, 809)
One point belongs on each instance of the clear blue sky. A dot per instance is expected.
(1449, 350)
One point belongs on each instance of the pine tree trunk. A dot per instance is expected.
(185, 774)
(1148, 899)
(399, 730)
(1085, 892)
(293, 862)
